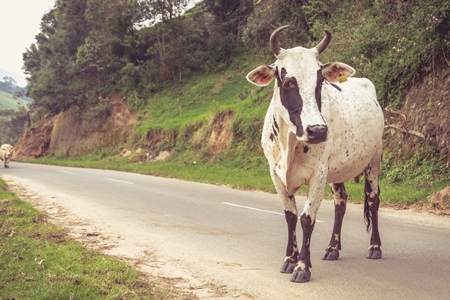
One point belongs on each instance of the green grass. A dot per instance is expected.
(201, 97)
(7, 101)
(40, 261)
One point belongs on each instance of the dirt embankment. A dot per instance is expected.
(423, 118)
(70, 134)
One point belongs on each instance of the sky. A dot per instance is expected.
(19, 24)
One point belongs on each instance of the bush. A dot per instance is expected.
(424, 169)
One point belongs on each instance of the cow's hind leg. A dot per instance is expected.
(371, 204)
(340, 204)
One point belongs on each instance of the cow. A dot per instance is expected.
(321, 127)
(7, 151)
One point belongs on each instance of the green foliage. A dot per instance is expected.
(9, 85)
(230, 14)
(10, 102)
(13, 118)
(92, 48)
(13, 125)
(425, 168)
(267, 16)
(393, 43)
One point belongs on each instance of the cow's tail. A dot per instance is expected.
(367, 216)
(367, 210)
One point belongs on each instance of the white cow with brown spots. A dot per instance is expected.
(321, 127)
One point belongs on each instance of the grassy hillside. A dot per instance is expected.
(7, 101)
(197, 105)
(187, 119)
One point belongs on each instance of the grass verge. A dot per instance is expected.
(38, 260)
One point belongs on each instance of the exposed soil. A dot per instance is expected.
(438, 203)
(70, 134)
(426, 110)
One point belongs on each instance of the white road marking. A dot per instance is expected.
(116, 180)
(258, 209)
(68, 172)
(253, 208)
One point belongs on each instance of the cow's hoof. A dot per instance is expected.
(330, 255)
(288, 267)
(374, 254)
(301, 276)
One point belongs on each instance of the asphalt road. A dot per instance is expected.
(237, 238)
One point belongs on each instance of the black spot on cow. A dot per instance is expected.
(291, 99)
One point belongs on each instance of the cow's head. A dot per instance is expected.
(7, 151)
(297, 93)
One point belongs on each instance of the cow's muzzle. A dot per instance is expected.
(316, 133)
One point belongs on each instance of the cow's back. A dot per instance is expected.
(355, 125)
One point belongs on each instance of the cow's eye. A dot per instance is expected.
(288, 83)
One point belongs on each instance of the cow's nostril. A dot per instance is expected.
(317, 133)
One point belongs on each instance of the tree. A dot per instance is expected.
(230, 14)
(54, 82)
(8, 85)
(13, 123)
(157, 13)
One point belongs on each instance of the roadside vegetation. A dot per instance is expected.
(39, 260)
(179, 73)
(242, 165)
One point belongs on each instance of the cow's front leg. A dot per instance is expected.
(301, 272)
(340, 203)
(290, 262)
(291, 215)
(316, 190)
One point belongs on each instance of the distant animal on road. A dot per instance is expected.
(7, 151)
(321, 127)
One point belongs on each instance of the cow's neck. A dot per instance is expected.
(287, 143)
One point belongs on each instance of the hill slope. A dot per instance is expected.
(7, 101)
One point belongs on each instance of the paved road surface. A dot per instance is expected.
(237, 239)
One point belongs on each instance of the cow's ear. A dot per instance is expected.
(337, 71)
(261, 76)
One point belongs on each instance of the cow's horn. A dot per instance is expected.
(324, 43)
(273, 40)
